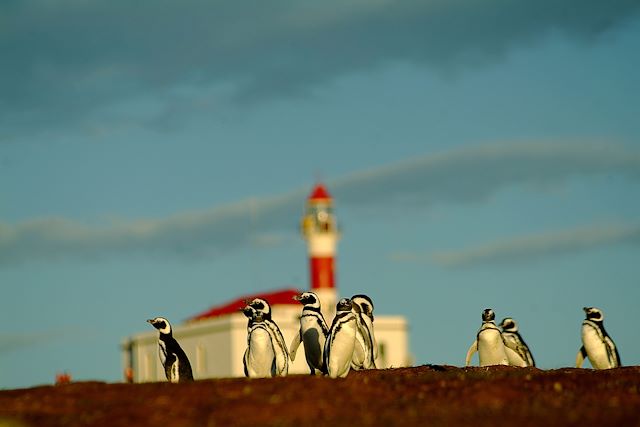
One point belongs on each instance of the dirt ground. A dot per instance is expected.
(420, 396)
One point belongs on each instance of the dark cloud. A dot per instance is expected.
(68, 60)
(463, 176)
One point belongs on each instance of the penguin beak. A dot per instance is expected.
(586, 309)
(150, 321)
(296, 297)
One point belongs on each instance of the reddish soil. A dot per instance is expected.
(424, 395)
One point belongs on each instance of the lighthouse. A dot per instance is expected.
(320, 230)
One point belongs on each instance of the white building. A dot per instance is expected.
(215, 340)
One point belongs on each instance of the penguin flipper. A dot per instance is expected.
(295, 343)
(582, 354)
(612, 350)
(326, 353)
(470, 353)
(374, 343)
(244, 362)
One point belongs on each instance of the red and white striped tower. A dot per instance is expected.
(320, 230)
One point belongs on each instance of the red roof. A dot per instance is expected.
(319, 192)
(281, 297)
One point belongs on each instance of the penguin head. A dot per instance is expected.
(261, 306)
(594, 314)
(161, 324)
(509, 325)
(344, 305)
(365, 304)
(252, 313)
(249, 311)
(488, 315)
(308, 299)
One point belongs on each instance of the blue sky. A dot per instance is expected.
(155, 158)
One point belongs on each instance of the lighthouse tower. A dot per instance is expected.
(320, 230)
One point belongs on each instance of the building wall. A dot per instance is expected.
(216, 347)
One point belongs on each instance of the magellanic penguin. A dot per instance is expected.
(596, 343)
(488, 343)
(520, 354)
(366, 351)
(174, 360)
(259, 358)
(313, 332)
(340, 344)
(263, 308)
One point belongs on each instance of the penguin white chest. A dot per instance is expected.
(341, 351)
(360, 350)
(260, 358)
(596, 348)
(491, 349)
(162, 352)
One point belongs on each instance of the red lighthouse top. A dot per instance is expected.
(318, 193)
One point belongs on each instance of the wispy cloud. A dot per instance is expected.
(532, 247)
(473, 174)
(193, 234)
(466, 175)
(68, 59)
(15, 342)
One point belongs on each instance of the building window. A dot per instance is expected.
(201, 359)
(382, 356)
(147, 367)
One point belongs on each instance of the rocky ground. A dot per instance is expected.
(420, 396)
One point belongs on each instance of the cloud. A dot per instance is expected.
(467, 175)
(532, 247)
(68, 60)
(14, 342)
(191, 235)
(473, 174)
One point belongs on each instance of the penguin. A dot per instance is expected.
(340, 343)
(597, 345)
(313, 332)
(365, 338)
(174, 360)
(263, 309)
(520, 354)
(259, 358)
(488, 343)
